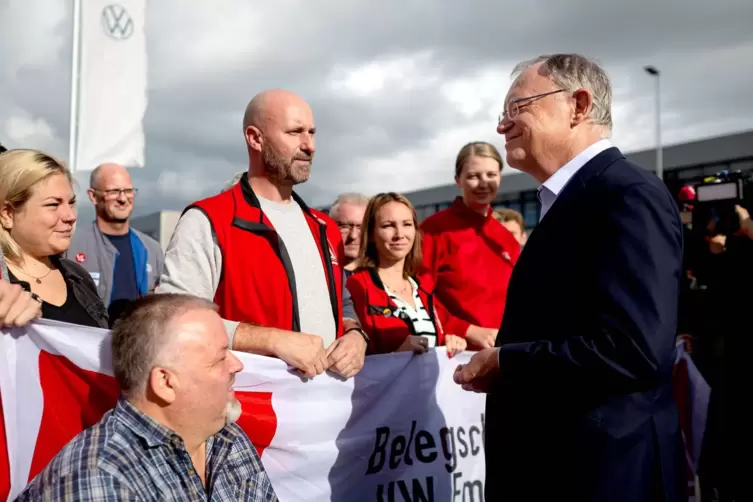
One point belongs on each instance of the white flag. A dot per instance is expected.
(112, 85)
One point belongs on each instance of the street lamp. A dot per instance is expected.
(659, 159)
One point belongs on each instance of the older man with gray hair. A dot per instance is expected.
(171, 435)
(580, 403)
(347, 210)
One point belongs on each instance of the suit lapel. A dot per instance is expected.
(570, 193)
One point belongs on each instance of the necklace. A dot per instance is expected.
(38, 279)
(401, 291)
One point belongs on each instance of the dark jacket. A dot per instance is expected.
(582, 408)
(79, 282)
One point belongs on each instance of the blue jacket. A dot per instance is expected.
(91, 249)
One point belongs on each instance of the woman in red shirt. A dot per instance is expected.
(397, 311)
(467, 253)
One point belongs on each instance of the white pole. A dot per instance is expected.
(75, 74)
(659, 153)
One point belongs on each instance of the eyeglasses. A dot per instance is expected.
(115, 192)
(513, 107)
(348, 227)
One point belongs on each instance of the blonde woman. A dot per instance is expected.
(37, 218)
(467, 253)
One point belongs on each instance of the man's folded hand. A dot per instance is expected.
(480, 370)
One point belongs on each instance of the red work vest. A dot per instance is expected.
(257, 284)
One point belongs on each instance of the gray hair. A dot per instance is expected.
(141, 334)
(356, 199)
(572, 72)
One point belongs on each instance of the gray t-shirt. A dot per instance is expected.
(314, 305)
(193, 265)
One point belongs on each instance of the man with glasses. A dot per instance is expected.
(580, 403)
(347, 211)
(124, 263)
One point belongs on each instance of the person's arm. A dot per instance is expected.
(347, 354)
(193, 265)
(193, 262)
(632, 335)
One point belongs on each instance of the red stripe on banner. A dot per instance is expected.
(258, 419)
(74, 399)
(4, 461)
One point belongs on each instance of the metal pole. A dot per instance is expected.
(659, 153)
(75, 74)
(651, 70)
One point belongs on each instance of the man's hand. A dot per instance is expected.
(17, 307)
(303, 351)
(746, 224)
(718, 244)
(478, 373)
(346, 354)
(481, 338)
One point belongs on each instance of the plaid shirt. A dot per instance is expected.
(128, 456)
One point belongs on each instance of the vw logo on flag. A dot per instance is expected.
(116, 22)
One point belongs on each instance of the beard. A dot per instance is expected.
(233, 411)
(286, 171)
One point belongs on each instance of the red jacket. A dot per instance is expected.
(257, 284)
(470, 259)
(375, 310)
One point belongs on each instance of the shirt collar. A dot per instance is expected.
(152, 432)
(459, 207)
(560, 178)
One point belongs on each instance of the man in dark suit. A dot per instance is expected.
(579, 404)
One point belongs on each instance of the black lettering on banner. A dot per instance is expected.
(425, 441)
(448, 448)
(386, 493)
(398, 447)
(463, 448)
(471, 487)
(382, 436)
(474, 449)
(467, 491)
(483, 427)
(408, 460)
(455, 491)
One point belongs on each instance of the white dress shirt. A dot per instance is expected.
(551, 188)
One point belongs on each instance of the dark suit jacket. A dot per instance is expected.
(582, 409)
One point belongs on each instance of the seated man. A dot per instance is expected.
(171, 435)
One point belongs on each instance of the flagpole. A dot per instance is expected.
(75, 70)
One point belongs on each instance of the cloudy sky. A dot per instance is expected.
(397, 86)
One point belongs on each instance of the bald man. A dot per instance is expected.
(124, 263)
(272, 264)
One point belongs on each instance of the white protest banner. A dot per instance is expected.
(400, 430)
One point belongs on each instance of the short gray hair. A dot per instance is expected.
(572, 72)
(356, 199)
(142, 332)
